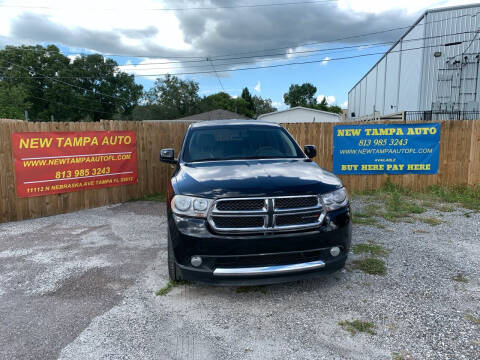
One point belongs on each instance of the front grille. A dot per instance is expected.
(297, 219)
(241, 205)
(238, 222)
(296, 202)
(261, 215)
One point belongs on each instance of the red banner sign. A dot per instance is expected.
(57, 162)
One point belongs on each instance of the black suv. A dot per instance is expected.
(246, 206)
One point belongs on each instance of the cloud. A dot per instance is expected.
(280, 105)
(134, 31)
(345, 105)
(258, 87)
(330, 99)
(325, 61)
(197, 33)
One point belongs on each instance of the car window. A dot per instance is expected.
(239, 142)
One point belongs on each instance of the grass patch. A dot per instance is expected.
(467, 196)
(167, 288)
(248, 289)
(402, 356)
(400, 203)
(370, 248)
(460, 278)
(430, 220)
(473, 319)
(153, 197)
(371, 266)
(356, 219)
(356, 326)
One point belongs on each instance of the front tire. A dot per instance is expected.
(173, 273)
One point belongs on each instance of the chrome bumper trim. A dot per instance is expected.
(269, 270)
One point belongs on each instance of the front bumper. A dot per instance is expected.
(258, 258)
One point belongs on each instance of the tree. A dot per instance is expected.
(301, 95)
(248, 98)
(174, 97)
(325, 107)
(304, 95)
(12, 101)
(87, 88)
(222, 100)
(262, 106)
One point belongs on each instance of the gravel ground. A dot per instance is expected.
(82, 286)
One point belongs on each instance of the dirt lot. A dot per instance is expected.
(82, 286)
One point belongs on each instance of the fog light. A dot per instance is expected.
(196, 261)
(335, 251)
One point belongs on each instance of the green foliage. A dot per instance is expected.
(248, 99)
(160, 197)
(301, 95)
(467, 196)
(431, 221)
(473, 319)
(13, 101)
(173, 98)
(262, 106)
(460, 278)
(304, 95)
(88, 88)
(370, 248)
(167, 288)
(356, 326)
(371, 266)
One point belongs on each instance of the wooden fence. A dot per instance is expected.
(459, 163)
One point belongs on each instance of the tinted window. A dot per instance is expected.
(239, 142)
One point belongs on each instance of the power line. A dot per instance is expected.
(300, 52)
(215, 70)
(360, 35)
(218, 77)
(202, 58)
(72, 85)
(294, 63)
(180, 9)
(71, 106)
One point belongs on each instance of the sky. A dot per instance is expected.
(217, 42)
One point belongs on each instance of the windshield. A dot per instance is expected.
(239, 142)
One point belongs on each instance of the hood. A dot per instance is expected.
(244, 178)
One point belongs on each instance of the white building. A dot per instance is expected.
(300, 114)
(433, 66)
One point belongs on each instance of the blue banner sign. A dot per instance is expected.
(386, 149)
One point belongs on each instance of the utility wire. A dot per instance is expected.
(72, 85)
(215, 70)
(298, 52)
(293, 63)
(180, 9)
(71, 106)
(202, 58)
(218, 77)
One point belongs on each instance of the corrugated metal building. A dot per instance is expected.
(433, 66)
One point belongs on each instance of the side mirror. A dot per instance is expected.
(168, 156)
(310, 151)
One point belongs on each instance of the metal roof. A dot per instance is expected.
(232, 122)
(303, 108)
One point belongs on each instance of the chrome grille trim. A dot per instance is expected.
(269, 213)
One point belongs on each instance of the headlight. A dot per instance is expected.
(335, 199)
(190, 206)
